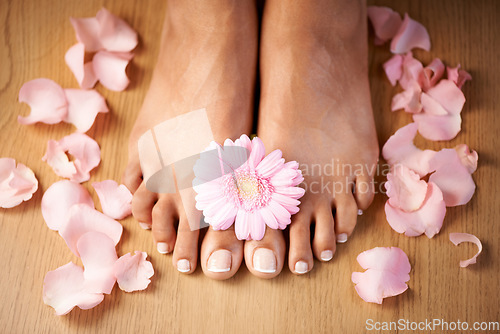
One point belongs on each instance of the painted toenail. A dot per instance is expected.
(145, 226)
(183, 266)
(219, 261)
(341, 238)
(326, 255)
(264, 260)
(162, 248)
(360, 212)
(301, 267)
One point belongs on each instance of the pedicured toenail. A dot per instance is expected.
(183, 266)
(162, 248)
(360, 212)
(341, 238)
(219, 261)
(301, 267)
(264, 260)
(145, 226)
(326, 255)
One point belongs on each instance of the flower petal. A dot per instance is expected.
(411, 34)
(87, 31)
(242, 225)
(272, 163)
(282, 215)
(409, 99)
(63, 289)
(59, 198)
(405, 189)
(257, 226)
(457, 75)
(458, 238)
(257, 153)
(98, 255)
(84, 73)
(448, 95)
(58, 160)
(432, 73)
(133, 272)
(437, 127)
(116, 200)
(385, 22)
(387, 271)
(467, 157)
(412, 71)
(17, 184)
(394, 69)
(83, 107)
(110, 67)
(46, 99)
(86, 153)
(114, 33)
(83, 219)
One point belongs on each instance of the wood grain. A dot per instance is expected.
(34, 37)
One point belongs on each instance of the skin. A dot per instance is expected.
(314, 106)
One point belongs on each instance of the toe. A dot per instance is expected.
(185, 254)
(346, 213)
(364, 191)
(221, 253)
(132, 177)
(265, 257)
(142, 205)
(164, 214)
(300, 258)
(324, 232)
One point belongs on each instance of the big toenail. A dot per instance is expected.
(326, 255)
(162, 248)
(264, 260)
(301, 267)
(183, 266)
(145, 226)
(219, 261)
(341, 238)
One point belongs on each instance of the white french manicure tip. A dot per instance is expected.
(326, 255)
(360, 212)
(341, 238)
(145, 226)
(162, 248)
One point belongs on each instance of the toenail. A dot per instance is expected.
(301, 267)
(326, 255)
(145, 226)
(183, 266)
(360, 212)
(264, 260)
(162, 248)
(219, 261)
(341, 238)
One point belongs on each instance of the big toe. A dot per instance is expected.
(132, 176)
(264, 258)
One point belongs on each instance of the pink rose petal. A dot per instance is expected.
(387, 272)
(394, 68)
(385, 22)
(84, 73)
(133, 271)
(409, 99)
(17, 184)
(458, 76)
(110, 67)
(59, 198)
(98, 255)
(448, 95)
(427, 219)
(399, 149)
(467, 157)
(87, 32)
(412, 71)
(46, 99)
(432, 73)
(116, 200)
(453, 175)
(83, 107)
(114, 33)
(83, 219)
(63, 289)
(437, 127)
(411, 34)
(458, 238)
(405, 189)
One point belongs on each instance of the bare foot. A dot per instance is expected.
(315, 106)
(207, 60)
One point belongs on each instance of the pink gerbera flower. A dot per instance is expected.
(238, 184)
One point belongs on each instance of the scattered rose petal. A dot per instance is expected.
(116, 200)
(394, 69)
(17, 184)
(412, 71)
(59, 198)
(63, 289)
(399, 149)
(458, 238)
(98, 255)
(437, 127)
(87, 32)
(405, 189)
(411, 34)
(110, 67)
(83, 107)
(46, 99)
(85, 151)
(388, 270)
(114, 33)
(133, 271)
(82, 219)
(453, 174)
(432, 73)
(448, 95)
(84, 73)
(409, 99)
(385, 22)
(457, 75)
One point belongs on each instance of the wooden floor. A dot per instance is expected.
(34, 37)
